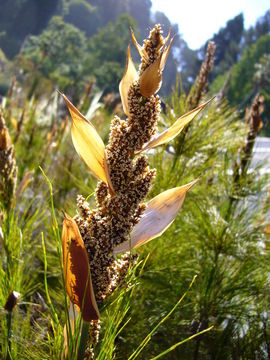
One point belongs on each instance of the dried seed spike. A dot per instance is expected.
(127, 80)
(5, 141)
(8, 173)
(26, 180)
(151, 78)
(87, 142)
(107, 172)
(163, 43)
(141, 50)
(175, 129)
(158, 216)
(77, 272)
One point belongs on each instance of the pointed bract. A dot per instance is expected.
(151, 79)
(128, 78)
(87, 143)
(158, 216)
(77, 272)
(167, 37)
(165, 55)
(141, 50)
(175, 129)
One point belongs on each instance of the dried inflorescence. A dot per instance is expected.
(111, 223)
(199, 89)
(202, 79)
(121, 220)
(93, 337)
(255, 123)
(8, 169)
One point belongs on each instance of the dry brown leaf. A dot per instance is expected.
(128, 78)
(14, 123)
(77, 271)
(87, 142)
(151, 78)
(167, 37)
(267, 229)
(12, 301)
(158, 216)
(141, 50)
(260, 125)
(165, 55)
(175, 129)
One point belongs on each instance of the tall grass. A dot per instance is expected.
(220, 237)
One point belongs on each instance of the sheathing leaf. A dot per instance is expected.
(77, 271)
(170, 133)
(151, 79)
(141, 50)
(88, 144)
(158, 216)
(128, 79)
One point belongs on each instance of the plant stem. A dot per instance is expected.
(9, 314)
(83, 340)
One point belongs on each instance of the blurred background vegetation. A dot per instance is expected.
(68, 43)
(223, 231)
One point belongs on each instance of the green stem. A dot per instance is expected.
(8, 336)
(146, 340)
(83, 341)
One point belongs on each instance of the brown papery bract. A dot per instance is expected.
(151, 77)
(141, 50)
(170, 133)
(12, 301)
(128, 78)
(88, 144)
(158, 216)
(106, 230)
(77, 271)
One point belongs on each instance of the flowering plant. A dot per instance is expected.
(121, 221)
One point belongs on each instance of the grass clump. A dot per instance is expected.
(94, 291)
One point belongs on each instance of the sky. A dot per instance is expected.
(198, 20)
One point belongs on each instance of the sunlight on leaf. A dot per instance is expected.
(167, 37)
(87, 142)
(175, 129)
(151, 79)
(165, 55)
(158, 216)
(77, 272)
(128, 78)
(141, 50)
